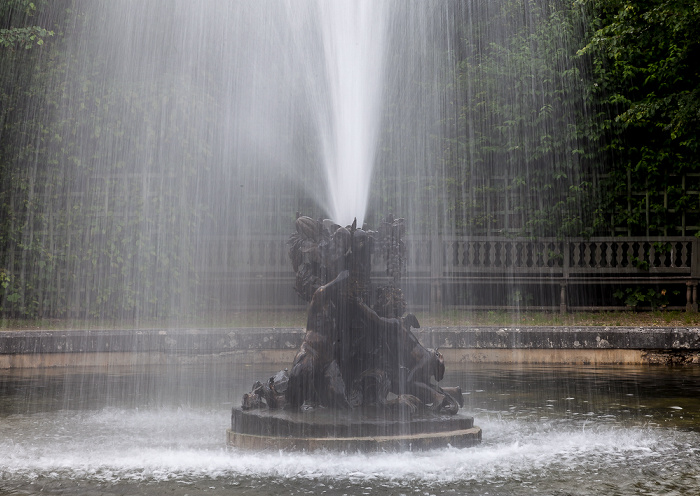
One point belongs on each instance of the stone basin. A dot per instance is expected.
(368, 430)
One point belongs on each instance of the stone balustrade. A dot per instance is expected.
(453, 271)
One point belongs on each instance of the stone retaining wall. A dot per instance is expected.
(592, 345)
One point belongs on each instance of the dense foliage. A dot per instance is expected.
(557, 119)
(515, 153)
(25, 62)
(16, 29)
(86, 231)
(573, 119)
(645, 57)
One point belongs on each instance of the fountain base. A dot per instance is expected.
(369, 430)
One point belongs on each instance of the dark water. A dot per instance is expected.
(547, 430)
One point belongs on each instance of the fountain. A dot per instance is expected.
(165, 142)
(361, 379)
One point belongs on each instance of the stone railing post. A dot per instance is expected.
(691, 304)
(689, 296)
(436, 268)
(565, 276)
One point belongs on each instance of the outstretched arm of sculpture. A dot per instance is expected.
(373, 319)
(328, 292)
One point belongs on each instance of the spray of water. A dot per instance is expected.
(353, 43)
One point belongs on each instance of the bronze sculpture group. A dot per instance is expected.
(355, 356)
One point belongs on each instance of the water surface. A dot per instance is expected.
(160, 430)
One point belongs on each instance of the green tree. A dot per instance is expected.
(645, 56)
(16, 29)
(515, 153)
(25, 62)
(99, 206)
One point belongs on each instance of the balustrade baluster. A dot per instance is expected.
(562, 249)
(672, 252)
(684, 253)
(491, 250)
(470, 253)
(641, 252)
(663, 256)
(544, 255)
(587, 255)
(619, 254)
(630, 253)
(482, 254)
(652, 256)
(576, 255)
(531, 254)
(452, 260)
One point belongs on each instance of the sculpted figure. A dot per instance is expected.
(353, 355)
(271, 395)
(315, 377)
(408, 364)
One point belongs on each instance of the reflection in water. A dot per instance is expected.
(551, 430)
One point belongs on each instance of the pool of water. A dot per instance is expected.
(549, 430)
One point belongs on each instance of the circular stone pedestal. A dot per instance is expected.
(351, 430)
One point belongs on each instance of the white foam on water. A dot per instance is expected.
(182, 444)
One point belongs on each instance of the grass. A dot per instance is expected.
(297, 318)
(284, 318)
(673, 318)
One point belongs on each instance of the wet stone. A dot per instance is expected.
(333, 423)
(332, 429)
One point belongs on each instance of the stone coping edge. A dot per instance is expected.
(228, 340)
(462, 439)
